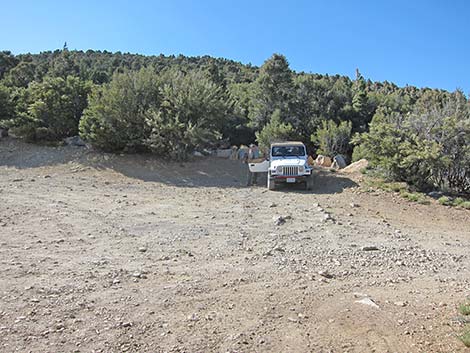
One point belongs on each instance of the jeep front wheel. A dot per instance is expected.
(309, 183)
(271, 183)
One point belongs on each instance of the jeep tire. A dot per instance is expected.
(309, 183)
(271, 183)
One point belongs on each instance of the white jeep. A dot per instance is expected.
(288, 164)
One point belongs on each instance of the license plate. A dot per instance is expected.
(290, 180)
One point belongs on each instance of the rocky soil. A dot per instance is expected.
(110, 253)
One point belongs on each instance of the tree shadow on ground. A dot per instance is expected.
(198, 172)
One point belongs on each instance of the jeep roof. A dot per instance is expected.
(287, 143)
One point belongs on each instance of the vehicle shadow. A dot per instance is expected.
(325, 182)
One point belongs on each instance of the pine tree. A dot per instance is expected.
(360, 103)
(272, 90)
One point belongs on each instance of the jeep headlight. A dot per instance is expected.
(301, 169)
(279, 169)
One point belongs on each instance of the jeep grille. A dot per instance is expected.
(290, 170)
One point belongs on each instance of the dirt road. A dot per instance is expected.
(109, 253)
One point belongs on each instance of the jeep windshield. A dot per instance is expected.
(288, 151)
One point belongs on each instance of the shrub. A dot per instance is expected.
(444, 200)
(51, 110)
(428, 147)
(401, 155)
(415, 197)
(171, 114)
(359, 152)
(274, 131)
(7, 108)
(410, 196)
(117, 112)
(333, 138)
(465, 309)
(189, 117)
(116, 116)
(465, 337)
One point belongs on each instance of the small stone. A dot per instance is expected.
(142, 249)
(325, 274)
(279, 220)
(370, 248)
(368, 301)
(435, 194)
(193, 317)
(400, 303)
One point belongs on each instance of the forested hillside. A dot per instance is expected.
(172, 105)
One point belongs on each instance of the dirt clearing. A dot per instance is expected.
(109, 253)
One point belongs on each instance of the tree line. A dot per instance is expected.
(173, 105)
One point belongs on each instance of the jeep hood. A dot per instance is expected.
(288, 162)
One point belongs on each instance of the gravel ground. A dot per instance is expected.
(114, 253)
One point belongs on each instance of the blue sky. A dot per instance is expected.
(422, 43)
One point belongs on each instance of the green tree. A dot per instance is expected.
(333, 139)
(21, 75)
(7, 107)
(53, 108)
(428, 147)
(272, 90)
(360, 94)
(237, 129)
(360, 103)
(191, 115)
(7, 62)
(116, 116)
(275, 131)
(317, 99)
(64, 64)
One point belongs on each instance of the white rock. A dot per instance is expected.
(368, 301)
